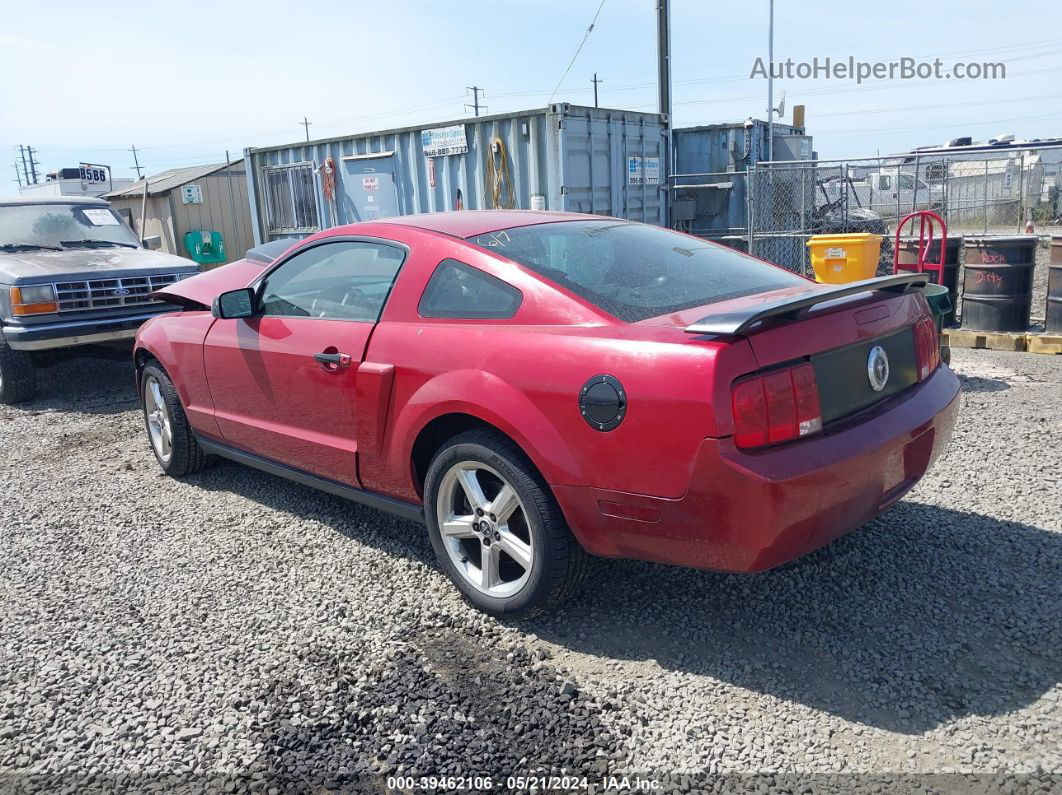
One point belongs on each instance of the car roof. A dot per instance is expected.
(18, 200)
(469, 223)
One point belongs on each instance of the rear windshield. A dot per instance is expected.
(635, 271)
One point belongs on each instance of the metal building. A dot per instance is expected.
(564, 157)
(196, 198)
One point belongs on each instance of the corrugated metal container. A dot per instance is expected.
(710, 194)
(564, 157)
(713, 148)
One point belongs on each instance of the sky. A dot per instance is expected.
(184, 82)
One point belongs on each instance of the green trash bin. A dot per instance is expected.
(205, 246)
(939, 301)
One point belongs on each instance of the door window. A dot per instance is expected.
(346, 280)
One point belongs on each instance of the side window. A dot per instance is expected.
(460, 291)
(346, 280)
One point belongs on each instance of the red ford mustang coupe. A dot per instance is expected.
(540, 387)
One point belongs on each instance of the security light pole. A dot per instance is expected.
(770, 82)
(663, 82)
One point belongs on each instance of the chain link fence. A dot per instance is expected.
(772, 209)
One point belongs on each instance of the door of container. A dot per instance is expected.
(611, 165)
(366, 189)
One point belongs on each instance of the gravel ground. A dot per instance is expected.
(237, 632)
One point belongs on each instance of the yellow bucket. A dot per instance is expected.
(840, 259)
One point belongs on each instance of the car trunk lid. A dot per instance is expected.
(835, 328)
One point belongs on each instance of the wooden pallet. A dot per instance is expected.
(993, 341)
(1044, 343)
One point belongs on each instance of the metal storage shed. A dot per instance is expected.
(563, 157)
(216, 200)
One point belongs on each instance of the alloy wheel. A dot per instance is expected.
(485, 529)
(160, 428)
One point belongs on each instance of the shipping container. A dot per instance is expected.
(710, 194)
(564, 157)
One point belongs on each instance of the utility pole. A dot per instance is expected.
(595, 81)
(663, 84)
(32, 164)
(770, 82)
(136, 162)
(475, 98)
(25, 168)
(18, 175)
(306, 123)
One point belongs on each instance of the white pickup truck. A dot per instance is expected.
(889, 193)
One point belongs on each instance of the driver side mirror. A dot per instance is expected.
(234, 304)
(154, 242)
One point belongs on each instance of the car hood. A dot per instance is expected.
(30, 267)
(200, 291)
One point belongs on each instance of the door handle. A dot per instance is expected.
(333, 361)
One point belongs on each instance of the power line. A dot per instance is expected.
(243, 137)
(839, 89)
(578, 50)
(743, 78)
(950, 125)
(934, 106)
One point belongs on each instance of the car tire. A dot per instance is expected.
(18, 376)
(169, 434)
(534, 531)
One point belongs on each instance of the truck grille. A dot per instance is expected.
(110, 293)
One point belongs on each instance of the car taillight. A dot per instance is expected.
(775, 407)
(927, 347)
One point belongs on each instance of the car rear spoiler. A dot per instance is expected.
(742, 320)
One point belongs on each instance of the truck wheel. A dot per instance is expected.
(18, 376)
(496, 528)
(171, 437)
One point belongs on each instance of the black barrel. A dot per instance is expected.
(997, 282)
(908, 259)
(1054, 288)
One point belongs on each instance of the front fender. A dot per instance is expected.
(176, 341)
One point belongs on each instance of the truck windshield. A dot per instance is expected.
(636, 271)
(58, 226)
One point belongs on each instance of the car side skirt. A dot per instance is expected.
(401, 508)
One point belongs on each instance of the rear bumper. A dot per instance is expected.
(45, 336)
(747, 512)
